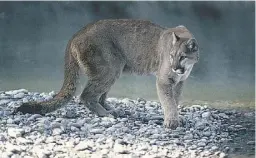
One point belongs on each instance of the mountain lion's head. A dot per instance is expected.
(183, 55)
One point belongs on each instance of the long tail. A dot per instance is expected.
(65, 94)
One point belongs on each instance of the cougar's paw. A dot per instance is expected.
(171, 123)
(30, 108)
(114, 113)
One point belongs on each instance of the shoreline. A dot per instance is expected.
(73, 131)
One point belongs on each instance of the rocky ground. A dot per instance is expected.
(73, 131)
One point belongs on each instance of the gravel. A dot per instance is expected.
(73, 131)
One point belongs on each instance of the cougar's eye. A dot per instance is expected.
(182, 58)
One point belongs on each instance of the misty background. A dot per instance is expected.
(33, 37)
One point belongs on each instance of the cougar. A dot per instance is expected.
(107, 48)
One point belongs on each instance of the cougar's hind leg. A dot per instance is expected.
(103, 66)
(90, 97)
(95, 91)
(102, 101)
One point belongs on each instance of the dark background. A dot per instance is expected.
(33, 37)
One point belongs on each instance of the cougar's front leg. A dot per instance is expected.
(165, 91)
(177, 91)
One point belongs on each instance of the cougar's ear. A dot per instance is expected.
(175, 38)
(192, 44)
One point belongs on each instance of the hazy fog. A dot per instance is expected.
(33, 37)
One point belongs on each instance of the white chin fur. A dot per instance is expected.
(178, 71)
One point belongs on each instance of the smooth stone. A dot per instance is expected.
(57, 131)
(222, 155)
(41, 155)
(106, 124)
(56, 125)
(81, 122)
(13, 92)
(9, 121)
(4, 102)
(101, 139)
(5, 96)
(192, 147)
(71, 113)
(34, 117)
(156, 136)
(223, 115)
(16, 156)
(201, 144)
(206, 115)
(127, 101)
(188, 137)
(7, 113)
(48, 97)
(176, 141)
(143, 147)
(214, 148)
(203, 140)
(207, 133)
(97, 131)
(82, 146)
(74, 129)
(25, 141)
(238, 126)
(52, 93)
(50, 140)
(251, 143)
(75, 125)
(196, 106)
(6, 154)
(25, 100)
(15, 132)
(249, 114)
(12, 148)
(120, 149)
(1, 113)
(18, 96)
(156, 117)
(141, 100)
(3, 137)
(174, 135)
(112, 120)
(123, 119)
(200, 125)
(17, 120)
